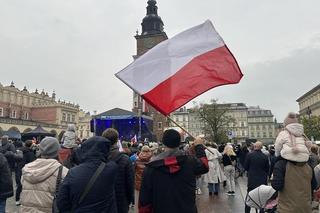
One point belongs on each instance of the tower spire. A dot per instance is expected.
(152, 23)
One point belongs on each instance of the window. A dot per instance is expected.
(159, 125)
(258, 134)
(14, 114)
(68, 117)
(264, 134)
(270, 135)
(73, 118)
(135, 104)
(26, 116)
(63, 116)
(1, 112)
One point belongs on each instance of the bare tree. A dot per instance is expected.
(216, 120)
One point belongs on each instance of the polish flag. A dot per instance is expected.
(134, 139)
(181, 68)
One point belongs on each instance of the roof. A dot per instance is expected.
(116, 112)
(309, 92)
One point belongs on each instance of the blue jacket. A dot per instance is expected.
(101, 197)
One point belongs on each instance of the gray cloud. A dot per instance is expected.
(76, 46)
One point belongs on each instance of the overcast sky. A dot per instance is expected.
(76, 46)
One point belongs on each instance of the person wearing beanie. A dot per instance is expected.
(39, 178)
(291, 143)
(171, 174)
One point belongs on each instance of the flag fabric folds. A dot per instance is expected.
(181, 68)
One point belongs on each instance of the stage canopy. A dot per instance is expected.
(126, 122)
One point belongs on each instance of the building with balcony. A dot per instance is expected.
(309, 103)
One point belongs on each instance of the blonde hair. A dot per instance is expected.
(228, 150)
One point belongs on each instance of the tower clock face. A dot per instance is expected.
(148, 43)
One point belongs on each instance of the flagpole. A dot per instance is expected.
(183, 129)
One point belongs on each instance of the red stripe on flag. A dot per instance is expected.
(214, 68)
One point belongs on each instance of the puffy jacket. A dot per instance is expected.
(101, 196)
(140, 164)
(124, 187)
(169, 182)
(39, 185)
(291, 144)
(69, 137)
(6, 189)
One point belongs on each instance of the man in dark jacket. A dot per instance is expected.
(257, 165)
(100, 197)
(28, 157)
(169, 180)
(124, 187)
(9, 150)
(6, 188)
(295, 183)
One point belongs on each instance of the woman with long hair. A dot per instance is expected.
(229, 162)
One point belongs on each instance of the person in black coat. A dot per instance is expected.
(169, 180)
(28, 156)
(6, 188)
(100, 197)
(124, 187)
(9, 151)
(257, 165)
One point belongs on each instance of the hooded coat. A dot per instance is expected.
(39, 185)
(291, 144)
(9, 150)
(169, 182)
(140, 164)
(215, 174)
(6, 189)
(101, 196)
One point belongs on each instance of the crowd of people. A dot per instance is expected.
(98, 175)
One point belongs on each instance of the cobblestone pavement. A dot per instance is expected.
(206, 204)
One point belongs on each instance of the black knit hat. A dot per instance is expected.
(171, 138)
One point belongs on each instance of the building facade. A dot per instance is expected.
(151, 35)
(196, 126)
(83, 126)
(309, 103)
(261, 125)
(21, 110)
(238, 129)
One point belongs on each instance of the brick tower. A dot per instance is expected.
(151, 35)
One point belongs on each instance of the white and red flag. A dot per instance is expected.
(181, 68)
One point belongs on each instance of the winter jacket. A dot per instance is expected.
(291, 144)
(39, 185)
(28, 157)
(295, 182)
(314, 160)
(228, 160)
(140, 164)
(9, 150)
(101, 196)
(169, 182)
(69, 137)
(215, 174)
(124, 187)
(257, 165)
(6, 188)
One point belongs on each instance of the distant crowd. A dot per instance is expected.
(102, 175)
